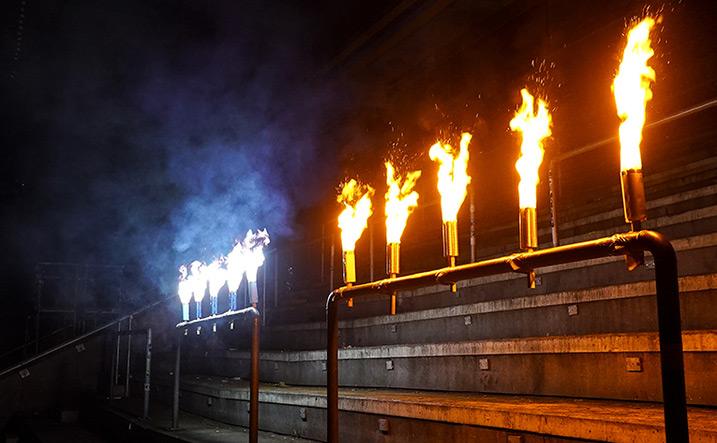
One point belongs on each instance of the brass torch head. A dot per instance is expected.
(450, 239)
(528, 228)
(393, 260)
(349, 267)
(253, 293)
(633, 196)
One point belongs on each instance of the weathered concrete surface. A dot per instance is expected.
(595, 366)
(587, 419)
(121, 420)
(622, 308)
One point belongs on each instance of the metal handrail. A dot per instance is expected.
(254, 382)
(629, 245)
(79, 339)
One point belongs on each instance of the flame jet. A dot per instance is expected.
(353, 220)
(534, 126)
(631, 88)
(236, 268)
(198, 280)
(401, 199)
(184, 290)
(253, 252)
(453, 180)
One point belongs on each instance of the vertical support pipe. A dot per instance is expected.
(147, 373)
(276, 278)
(671, 353)
(129, 356)
(110, 393)
(323, 252)
(117, 356)
(175, 390)
(553, 205)
(332, 370)
(370, 250)
(263, 295)
(331, 265)
(473, 225)
(254, 386)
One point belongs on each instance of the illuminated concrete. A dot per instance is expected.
(589, 419)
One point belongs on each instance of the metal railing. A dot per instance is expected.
(43, 355)
(254, 381)
(629, 244)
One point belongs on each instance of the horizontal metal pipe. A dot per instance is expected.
(246, 311)
(668, 307)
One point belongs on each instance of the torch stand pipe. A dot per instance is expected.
(254, 385)
(185, 311)
(667, 298)
(253, 293)
(254, 382)
(393, 265)
(349, 262)
(213, 305)
(633, 196)
(528, 233)
(233, 301)
(199, 309)
(450, 245)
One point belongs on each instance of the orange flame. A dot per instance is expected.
(353, 219)
(632, 92)
(453, 178)
(400, 201)
(534, 127)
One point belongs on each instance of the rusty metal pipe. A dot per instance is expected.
(254, 384)
(668, 310)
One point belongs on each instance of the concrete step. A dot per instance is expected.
(608, 366)
(422, 416)
(624, 307)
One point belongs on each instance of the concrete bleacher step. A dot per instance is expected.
(625, 307)
(608, 366)
(425, 416)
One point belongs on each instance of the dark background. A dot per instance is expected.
(150, 133)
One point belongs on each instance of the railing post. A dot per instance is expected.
(332, 370)
(147, 373)
(670, 332)
(129, 356)
(254, 386)
(175, 390)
